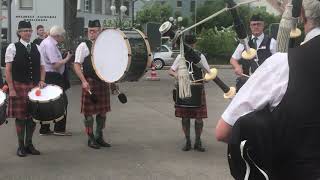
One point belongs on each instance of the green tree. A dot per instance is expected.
(218, 45)
(225, 19)
(156, 12)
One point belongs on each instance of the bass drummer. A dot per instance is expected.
(24, 71)
(197, 113)
(92, 87)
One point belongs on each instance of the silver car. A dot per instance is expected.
(164, 57)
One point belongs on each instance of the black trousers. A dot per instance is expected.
(62, 81)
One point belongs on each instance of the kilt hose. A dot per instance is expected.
(18, 106)
(101, 90)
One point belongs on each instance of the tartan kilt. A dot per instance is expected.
(101, 90)
(196, 113)
(18, 106)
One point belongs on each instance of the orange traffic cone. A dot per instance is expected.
(153, 75)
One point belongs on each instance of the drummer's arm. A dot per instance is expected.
(9, 58)
(77, 69)
(82, 51)
(9, 76)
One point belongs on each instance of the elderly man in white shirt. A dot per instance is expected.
(55, 69)
(284, 83)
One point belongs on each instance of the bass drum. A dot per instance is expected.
(121, 55)
(3, 107)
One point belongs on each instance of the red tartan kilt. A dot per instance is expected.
(101, 90)
(18, 106)
(196, 113)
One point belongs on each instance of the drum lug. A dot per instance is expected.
(129, 55)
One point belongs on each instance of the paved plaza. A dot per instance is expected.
(145, 135)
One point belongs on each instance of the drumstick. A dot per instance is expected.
(93, 97)
(245, 75)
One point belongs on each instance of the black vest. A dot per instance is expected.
(296, 119)
(88, 70)
(197, 72)
(26, 67)
(262, 55)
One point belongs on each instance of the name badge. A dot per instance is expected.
(263, 47)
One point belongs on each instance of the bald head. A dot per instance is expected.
(312, 11)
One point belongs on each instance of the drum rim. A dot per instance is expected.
(37, 101)
(129, 55)
(145, 37)
(5, 99)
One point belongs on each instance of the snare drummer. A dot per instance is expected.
(24, 70)
(197, 113)
(91, 82)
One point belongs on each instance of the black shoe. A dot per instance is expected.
(198, 147)
(93, 144)
(45, 133)
(31, 150)
(102, 143)
(21, 152)
(187, 147)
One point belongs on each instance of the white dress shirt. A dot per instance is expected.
(203, 61)
(266, 86)
(82, 52)
(240, 48)
(11, 52)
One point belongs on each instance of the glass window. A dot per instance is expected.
(127, 4)
(4, 4)
(98, 6)
(107, 7)
(87, 5)
(192, 6)
(179, 4)
(164, 49)
(26, 4)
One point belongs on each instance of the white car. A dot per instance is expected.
(164, 57)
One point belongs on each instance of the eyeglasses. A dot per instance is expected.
(26, 30)
(93, 31)
(256, 24)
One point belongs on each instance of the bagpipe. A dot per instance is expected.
(250, 148)
(176, 35)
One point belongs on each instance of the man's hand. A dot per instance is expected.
(12, 93)
(86, 86)
(42, 84)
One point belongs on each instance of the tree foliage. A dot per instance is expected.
(156, 12)
(217, 43)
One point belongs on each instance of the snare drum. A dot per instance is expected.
(3, 107)
(47, 106)
(121, 55)
(196, 96)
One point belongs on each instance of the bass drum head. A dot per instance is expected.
(48, 93)
(3, 97)
(110, 58)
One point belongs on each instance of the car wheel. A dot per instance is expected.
(158, 63)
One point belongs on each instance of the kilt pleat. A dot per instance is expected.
(101, 90)
(196, 113)
(18, 106)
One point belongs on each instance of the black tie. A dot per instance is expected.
(255, 46)
(29, 48)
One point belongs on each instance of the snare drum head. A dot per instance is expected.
(50, 92)
(2, 97)
(110, 57)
